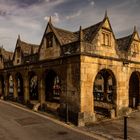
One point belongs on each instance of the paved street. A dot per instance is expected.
(114, 128)
(17, 124)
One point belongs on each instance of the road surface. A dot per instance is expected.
(17, 124)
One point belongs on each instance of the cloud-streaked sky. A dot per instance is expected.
(29, 17)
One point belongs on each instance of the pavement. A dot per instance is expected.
(18, 123)
(114, 129)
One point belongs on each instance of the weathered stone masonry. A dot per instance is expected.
(82, 73)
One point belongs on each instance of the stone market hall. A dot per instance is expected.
(80, 74)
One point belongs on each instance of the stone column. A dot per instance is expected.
(15, 88)
(41, 92)
(1, 88)
(26, 88)
(6, 87)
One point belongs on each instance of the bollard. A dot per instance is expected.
(125, 127)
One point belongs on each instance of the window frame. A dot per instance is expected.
(106, 38)
(49, 40)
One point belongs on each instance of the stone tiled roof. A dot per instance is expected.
(28, 48)
(68, 37)
(124, 43)
(90, 32)
(7, 55)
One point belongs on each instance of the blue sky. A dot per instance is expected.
(29, 17)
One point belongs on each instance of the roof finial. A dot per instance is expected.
(50, 19)
(18, 37)
(80, 33)
(105, 14)
(135, 29)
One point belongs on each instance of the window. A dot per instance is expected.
(17, 60)
(103, 34)
(56, 87)
(106, 39)
(134, 50)
(49, 40)
(18, 52)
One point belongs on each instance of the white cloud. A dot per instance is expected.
(92, 3)
(55, 18)
(74, 15)
(30, 21)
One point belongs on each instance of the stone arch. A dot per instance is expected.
(52, 86)
(104, 92)
(134, 89)
(11, 86)
(33, 85)
(19, 81)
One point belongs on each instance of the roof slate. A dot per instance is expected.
(28, 48)
(67, 37)
(124, 43)
(7, 55)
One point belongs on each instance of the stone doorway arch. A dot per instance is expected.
(33, 86)
(104, 93)
(134, 90)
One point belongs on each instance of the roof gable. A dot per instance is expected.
(136, 36)
(90, 32)
(106, 24)
(26, 48)
(125, 42)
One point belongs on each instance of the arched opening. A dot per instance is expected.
(134, 91)
(104, 92)
(52, 91)
(11, 87)
(1, 85)
(52, 87)
(20, 87)
(33, 86)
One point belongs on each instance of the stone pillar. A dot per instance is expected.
(41, 92)
(1, 88)
(15, 88)
(6, 87)
(88, 73)
(26, 88)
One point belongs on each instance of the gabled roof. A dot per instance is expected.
(28, 48)
(7, 55)
(124, 42)
(90, 32)
(65, 36)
